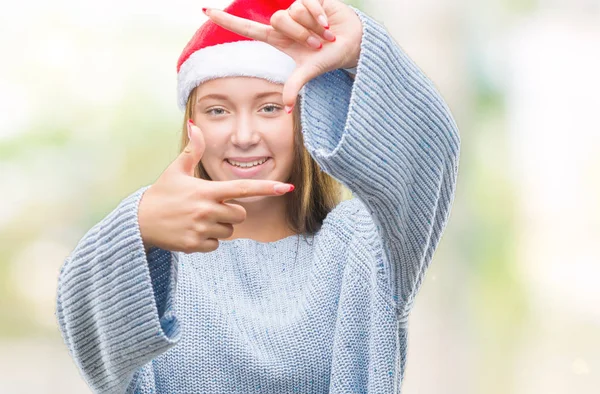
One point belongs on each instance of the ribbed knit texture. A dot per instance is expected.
(318, 314)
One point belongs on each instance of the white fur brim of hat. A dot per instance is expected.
(234, 59)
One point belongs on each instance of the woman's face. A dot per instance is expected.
(247, 132)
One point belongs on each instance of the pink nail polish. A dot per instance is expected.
(292, 187)
(289, 109)
(283, 188)
(314, 42)
(189, 129)
(205, 10)
(329, 36)
(323, 21)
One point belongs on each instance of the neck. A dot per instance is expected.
(265, 220)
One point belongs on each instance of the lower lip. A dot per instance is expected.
(247, 172)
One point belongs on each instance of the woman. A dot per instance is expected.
(218, 278)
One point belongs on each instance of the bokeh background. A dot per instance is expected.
(511, 303)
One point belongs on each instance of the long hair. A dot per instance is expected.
(316, 193)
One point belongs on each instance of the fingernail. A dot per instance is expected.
(323, 21)
(289, 109)
(205, 10)
(189, 128)
(283, 188)
(314, 42)
(328, 35)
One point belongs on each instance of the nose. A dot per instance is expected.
(245, 134)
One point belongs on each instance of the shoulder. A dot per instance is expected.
(352, 206)
(349, 229)
(350, 217)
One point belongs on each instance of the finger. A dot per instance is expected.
(244, 27)
(189, 158)
(283, 23)
(307, 19)
(219, 231)
(204, 246)
(299, 77)
(240, 188)
(229, 213)
(315, 7)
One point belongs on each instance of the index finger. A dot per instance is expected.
(240, 188)
(244, 27)
(315, 7)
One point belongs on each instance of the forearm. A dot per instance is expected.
(390, 138)
(111, 303)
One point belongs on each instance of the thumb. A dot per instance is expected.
(189, 158)
(299, 77)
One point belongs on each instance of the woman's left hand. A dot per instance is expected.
(319, 35)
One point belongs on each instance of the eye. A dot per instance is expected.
(216, 111)
(271, 108)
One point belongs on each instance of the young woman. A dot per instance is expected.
(218, 278)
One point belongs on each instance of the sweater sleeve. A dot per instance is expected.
(390, 138)
(115, 302)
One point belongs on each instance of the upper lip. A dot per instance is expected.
(247, 159)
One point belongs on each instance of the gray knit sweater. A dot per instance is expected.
(318, 314)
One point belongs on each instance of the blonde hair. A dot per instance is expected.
(316, 193)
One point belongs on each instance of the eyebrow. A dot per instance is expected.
(226, 98)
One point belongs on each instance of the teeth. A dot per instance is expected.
(248, 164)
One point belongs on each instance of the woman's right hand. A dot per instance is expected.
(180, 212)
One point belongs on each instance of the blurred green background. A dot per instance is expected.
(511, 303)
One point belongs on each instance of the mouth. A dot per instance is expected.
(247, 169)
(247, 164)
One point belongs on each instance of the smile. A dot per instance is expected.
(249, 169)
(248, 164)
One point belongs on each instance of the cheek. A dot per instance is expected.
(284, 149)
(282, 138)
(215, 141)
(215, 138)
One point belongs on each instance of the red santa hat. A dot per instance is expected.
(214, 52)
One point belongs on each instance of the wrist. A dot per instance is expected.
(355, 44)
(147, 246)
(352, 70)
